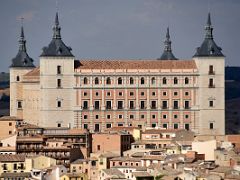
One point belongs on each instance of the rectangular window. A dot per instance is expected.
(164, 116)
(59, 104)
(186, 126)
(85, 117)
(131, 116)
(175, 105)
(211, 126)
(85, 126)
(59, 70)
(96, 104)
(186, 105)
(175, 126)
(85, 104)
(142, 116)
(97, 116)
(19, 104)
(131, 104)
(210, 103)
(211, 84)
(98, 147)
(108, 125)
(164, 105)
(59, 83)
(142, 105)
(108, 116)
(165, 125)
(59, 125)
(153, 116)
(120, 124)
(153, 105)
(120, 105)
(97, 128)
(211, 71)
(154, 125)
(120, 116)
(10, 124)
(131, 93)
(108, 105)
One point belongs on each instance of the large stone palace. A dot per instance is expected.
(96, 94)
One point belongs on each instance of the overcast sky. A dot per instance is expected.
(120, 29)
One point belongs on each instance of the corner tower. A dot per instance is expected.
(211, 65)
(167, 53)
(56, 82)
(21, 65)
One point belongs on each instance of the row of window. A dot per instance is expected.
(142, 116)
(153, 104)
(132, 105)
(131, 93)
(164, 125)
(120, 82)
(133, 82)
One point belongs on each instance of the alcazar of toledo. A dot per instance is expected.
(96, 94)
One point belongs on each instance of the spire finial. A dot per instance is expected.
(22, 41)
(167, 42)
(209, 28)
(56, 28)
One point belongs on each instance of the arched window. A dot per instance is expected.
(175, 80)
(96, 80)
(164, 81)
(186, 80)
(119, 80)
(131, 80)
(85, 80)
(142, 80)
(17, 78)
(108, 80)
(153, 80)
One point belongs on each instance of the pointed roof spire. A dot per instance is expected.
(22, 41)
(56, 28)
(209, 28)
(57, 46)
(22, 59)
(208, 47)
(167, 53)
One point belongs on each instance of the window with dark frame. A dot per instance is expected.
(59, 69)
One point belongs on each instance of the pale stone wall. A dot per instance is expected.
(207, 114)
(51, 115)
(16, 90)
(31, 96)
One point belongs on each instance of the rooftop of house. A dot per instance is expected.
(135, 64)
(126, 158)
(114, 172)
(12, 158)
(10, 118)
(142, 174)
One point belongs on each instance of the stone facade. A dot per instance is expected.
(100, 94)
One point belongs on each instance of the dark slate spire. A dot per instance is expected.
(22, 59)
(56, 29)
(57, 46)
(167, 53)
(208, 47)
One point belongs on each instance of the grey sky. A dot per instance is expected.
(125, 29)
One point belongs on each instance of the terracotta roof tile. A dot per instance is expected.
(34, 72)
(12, 158)
(136, 64)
